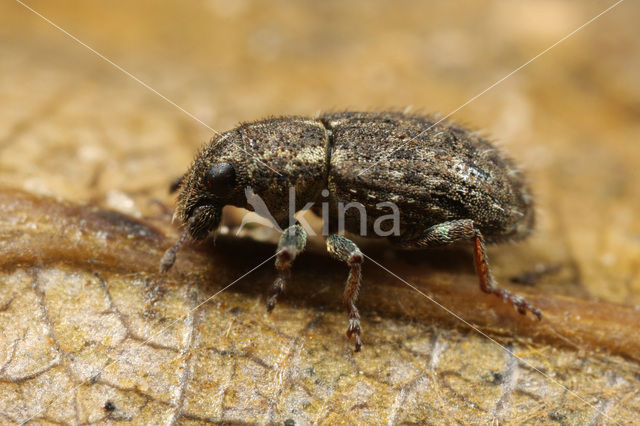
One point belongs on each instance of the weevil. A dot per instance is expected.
(448, 183)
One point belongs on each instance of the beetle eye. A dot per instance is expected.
(221, 178)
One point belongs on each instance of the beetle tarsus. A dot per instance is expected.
(277, 289)
(354, 327)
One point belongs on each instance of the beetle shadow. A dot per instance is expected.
(317, 279)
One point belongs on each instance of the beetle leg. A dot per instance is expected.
(198, 226)
(169, 257)
(457, 230)
(292, 242)
(345, 250)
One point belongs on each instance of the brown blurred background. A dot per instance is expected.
(75, 127)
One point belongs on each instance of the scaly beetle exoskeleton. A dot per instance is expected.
(448, 185)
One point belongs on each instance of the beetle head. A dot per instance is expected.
(209, 186)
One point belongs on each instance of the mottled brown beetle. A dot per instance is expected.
(449, 185)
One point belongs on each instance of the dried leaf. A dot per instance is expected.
(87, 322)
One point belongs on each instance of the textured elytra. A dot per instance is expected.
(434, 172)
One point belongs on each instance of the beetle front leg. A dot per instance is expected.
(292, 242)
(345, 250)
(169, 256)
(203, 220)
(450, 232)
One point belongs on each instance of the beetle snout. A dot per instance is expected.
(203, 219)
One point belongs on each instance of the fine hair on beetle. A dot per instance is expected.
(415, 180)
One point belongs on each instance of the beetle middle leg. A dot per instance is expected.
(345, 250)
(465, 229)
(292, 242)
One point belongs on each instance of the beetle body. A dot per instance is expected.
(443, 174)
(447, 183)
(434, 176)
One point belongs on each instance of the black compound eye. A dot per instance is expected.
(221, 178)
